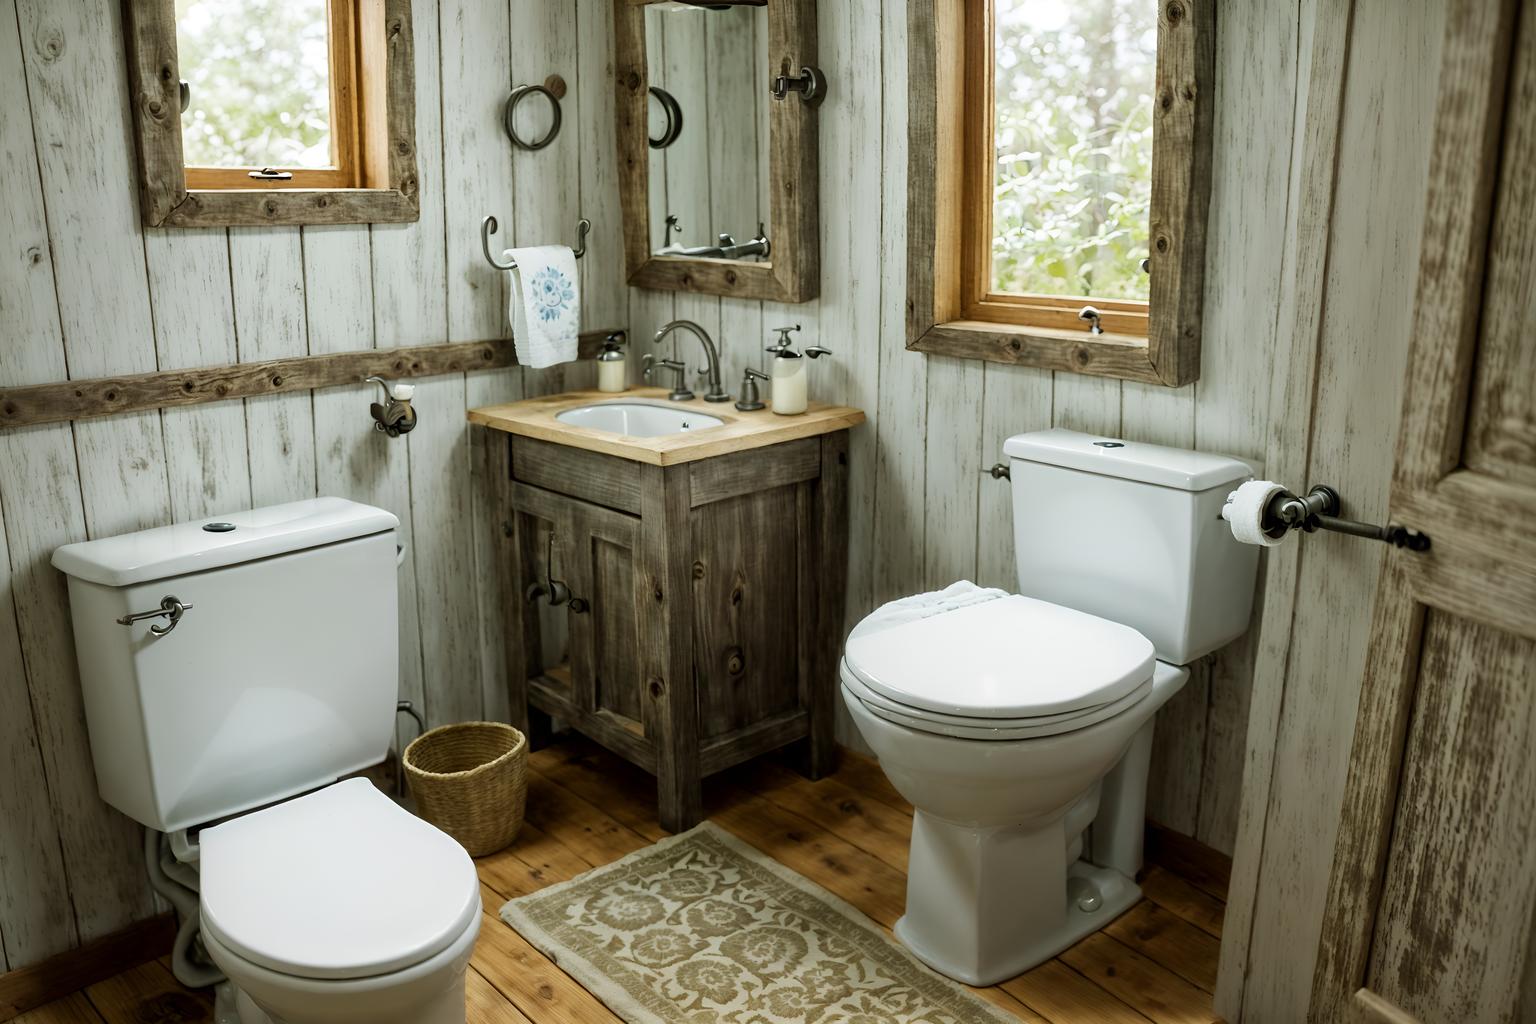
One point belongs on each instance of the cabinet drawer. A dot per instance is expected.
(591, 476)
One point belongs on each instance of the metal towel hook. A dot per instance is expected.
(488, 227)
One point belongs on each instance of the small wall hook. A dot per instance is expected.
(811, 84)
(395, 415)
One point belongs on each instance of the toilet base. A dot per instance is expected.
(986, 904)
(1118, 894)
(447, 1009)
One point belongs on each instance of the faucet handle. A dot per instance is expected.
(816, 351)
(751, 401)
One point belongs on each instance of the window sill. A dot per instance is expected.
(264, 205)
(1122, 356)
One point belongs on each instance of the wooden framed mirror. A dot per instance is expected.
(717, 142)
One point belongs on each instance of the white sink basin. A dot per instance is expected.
(638, 419)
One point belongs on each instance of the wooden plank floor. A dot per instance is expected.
(1156, 964)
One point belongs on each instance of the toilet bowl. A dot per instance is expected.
(339, 906)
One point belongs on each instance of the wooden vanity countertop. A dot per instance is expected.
(535, 417)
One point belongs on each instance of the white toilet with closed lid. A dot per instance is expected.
(1020, 725)
(322, 901)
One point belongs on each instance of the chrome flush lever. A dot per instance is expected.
(170, 608)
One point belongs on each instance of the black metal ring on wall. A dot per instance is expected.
(674, 112)
(519, 94)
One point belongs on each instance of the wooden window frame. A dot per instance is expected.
(793, 273)
(374, 104)
(950, 308)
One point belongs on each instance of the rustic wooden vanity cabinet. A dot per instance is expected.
(705, 576)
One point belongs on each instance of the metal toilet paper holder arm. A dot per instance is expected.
(1319, 510)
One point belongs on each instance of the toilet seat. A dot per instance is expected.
(339, 884)
(968, 728)
(1012, 663)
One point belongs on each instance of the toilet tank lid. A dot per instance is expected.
(1129, 460)
(217, 541)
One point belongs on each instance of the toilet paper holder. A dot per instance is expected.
(1319, 509)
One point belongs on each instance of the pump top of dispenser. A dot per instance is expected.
(611, 352)
(782, 349)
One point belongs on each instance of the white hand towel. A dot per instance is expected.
(921, 606)
(544, 305)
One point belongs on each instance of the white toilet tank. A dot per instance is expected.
(1132, 533)
(281, 675)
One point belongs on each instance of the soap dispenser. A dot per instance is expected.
(611, 364)
(789, 389)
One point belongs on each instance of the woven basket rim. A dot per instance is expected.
(519, 746)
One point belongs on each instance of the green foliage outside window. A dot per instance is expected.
(1073, 190)
(260, 77)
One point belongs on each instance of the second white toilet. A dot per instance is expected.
(1020, 725)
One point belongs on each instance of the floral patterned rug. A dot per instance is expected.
(702, 928)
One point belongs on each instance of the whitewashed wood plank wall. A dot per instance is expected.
(84, 291)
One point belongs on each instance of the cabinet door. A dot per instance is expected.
(593, 554)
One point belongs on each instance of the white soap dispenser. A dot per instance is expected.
(788, 373)
(611, 365)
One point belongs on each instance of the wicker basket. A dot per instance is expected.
(471, 781)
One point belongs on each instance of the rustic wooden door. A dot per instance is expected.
(1432, 897)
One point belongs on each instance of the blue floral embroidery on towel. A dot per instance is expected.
(551, 294)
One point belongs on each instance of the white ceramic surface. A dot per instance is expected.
(166, 551)
(305, 888)
(1156, 464)
(638, 419)
(1134, 541)
(281, 677)
(1014, 657)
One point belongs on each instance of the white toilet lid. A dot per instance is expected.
(1014, 657)
(341, 883)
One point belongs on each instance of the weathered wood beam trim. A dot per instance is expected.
(109, 396)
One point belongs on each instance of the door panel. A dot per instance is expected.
(1501, 439)
(1432, 896)
(1456, 906)
(615, 630)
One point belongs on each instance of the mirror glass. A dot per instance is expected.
(708, 70)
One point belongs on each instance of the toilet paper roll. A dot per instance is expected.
(1244, 510)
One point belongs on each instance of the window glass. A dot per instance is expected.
(1073, 84)
(260, 76)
